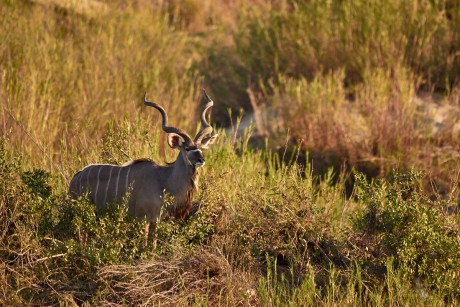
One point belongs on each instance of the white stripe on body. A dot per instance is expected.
(127, 178)
(97, 185)
(118, 179)
(87, 180)
(79, 187)
(107, 187)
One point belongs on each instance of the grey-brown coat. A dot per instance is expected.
(146, 182)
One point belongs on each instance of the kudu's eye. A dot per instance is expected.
(187, 148)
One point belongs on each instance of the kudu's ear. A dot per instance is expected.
(206, 142)
(175, 141)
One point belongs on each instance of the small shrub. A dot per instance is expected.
(113, 236)
(37, 183)
(198, 229)
(423, 240)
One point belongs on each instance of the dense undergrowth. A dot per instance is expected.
(265, 233)
(341, 79)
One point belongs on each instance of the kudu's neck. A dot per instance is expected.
(182, 175)
(182, 184)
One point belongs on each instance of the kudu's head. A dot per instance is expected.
(191, 150)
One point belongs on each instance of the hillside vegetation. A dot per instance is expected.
(344, 191)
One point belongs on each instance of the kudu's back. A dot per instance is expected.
(107, 183)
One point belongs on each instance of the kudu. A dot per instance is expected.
(146, 182)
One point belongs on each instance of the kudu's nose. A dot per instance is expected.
(201, 160)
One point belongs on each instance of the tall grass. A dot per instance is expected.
(381, 122)
(345, 77)
(64, 75)
(303, 39)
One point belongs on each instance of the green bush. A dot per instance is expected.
(418, 233)
(112, 236)
(108, 237)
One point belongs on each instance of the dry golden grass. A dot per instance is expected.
(181, 280)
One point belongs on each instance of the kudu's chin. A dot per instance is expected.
(198, 165)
